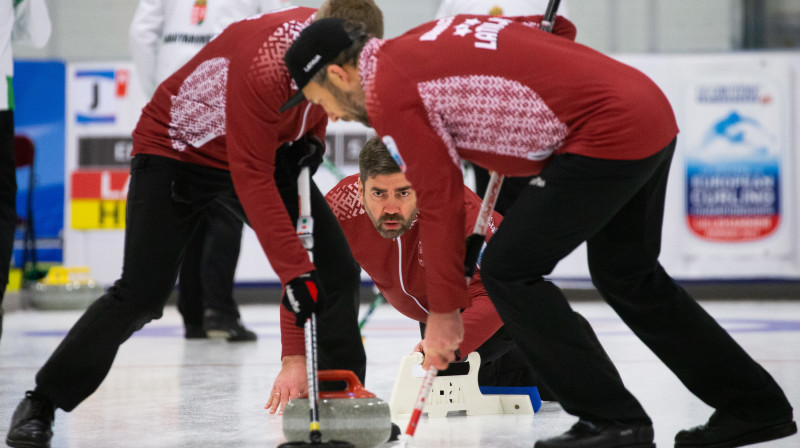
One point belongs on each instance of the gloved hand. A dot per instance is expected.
(304, 295)
(309, 150)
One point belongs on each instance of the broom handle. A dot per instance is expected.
(305, 229)
(419, 405)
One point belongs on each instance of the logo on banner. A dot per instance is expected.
(733, 165)
(199, 12)
(96, 93)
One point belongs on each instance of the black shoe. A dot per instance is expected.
(585, 434)
(225, 326)
(726, 431)
(32, 423)
(194, 332)
(395, 433)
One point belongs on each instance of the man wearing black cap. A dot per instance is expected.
(599, 136)
(212, 133)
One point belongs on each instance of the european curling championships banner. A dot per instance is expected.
(736, 143)
(740, 194)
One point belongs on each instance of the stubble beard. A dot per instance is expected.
(387, 233)
(353, 104)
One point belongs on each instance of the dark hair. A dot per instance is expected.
(374, 159)
(349, 55)
(364, 11)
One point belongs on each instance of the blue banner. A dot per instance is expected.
(39, 88)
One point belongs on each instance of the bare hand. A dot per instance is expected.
(443, 334)
(420, 347)
(290, 383)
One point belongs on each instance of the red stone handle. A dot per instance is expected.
(354, 387)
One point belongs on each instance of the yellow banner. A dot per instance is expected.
(98, 214)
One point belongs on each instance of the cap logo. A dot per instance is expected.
(312, 63)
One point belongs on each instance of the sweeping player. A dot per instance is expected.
(212, 132)
(511, 186)
(164, 35)
(600, 135)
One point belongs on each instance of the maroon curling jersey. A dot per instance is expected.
(221, 110)
(507, 96)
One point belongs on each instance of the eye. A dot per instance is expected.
(404, 194)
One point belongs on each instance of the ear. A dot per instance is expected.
(338, 76)
(360, 188)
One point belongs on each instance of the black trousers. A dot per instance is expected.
(8, 196)
(166, 200)
(509, 192)
(209, 264)
(617, 208)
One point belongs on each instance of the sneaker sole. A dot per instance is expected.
(217, 334)
(762, 435)
(25, 444)
(230, 337)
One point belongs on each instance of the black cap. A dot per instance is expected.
(316, 46)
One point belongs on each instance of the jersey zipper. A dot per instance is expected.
(400, 273)
(305, 118)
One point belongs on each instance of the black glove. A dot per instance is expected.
(309, 151)
(304, 295)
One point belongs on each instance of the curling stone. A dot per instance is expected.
(353, 414)
(65, 288)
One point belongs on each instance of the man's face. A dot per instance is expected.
(390, 203)
(338, 104)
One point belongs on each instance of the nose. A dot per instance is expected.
(391, 206)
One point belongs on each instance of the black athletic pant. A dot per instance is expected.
(8, 196)
(166, 199)
(617, 208)
(509, 192)
(209, 266)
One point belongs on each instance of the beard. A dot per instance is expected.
(353, 105)
(403, 224)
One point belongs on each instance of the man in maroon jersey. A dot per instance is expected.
(382, 199)
(600, 135)
(212, 132)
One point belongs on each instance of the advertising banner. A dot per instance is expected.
(39, 88)
(731, 209)
(103, 106)
(736, 132)
(98, 199)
